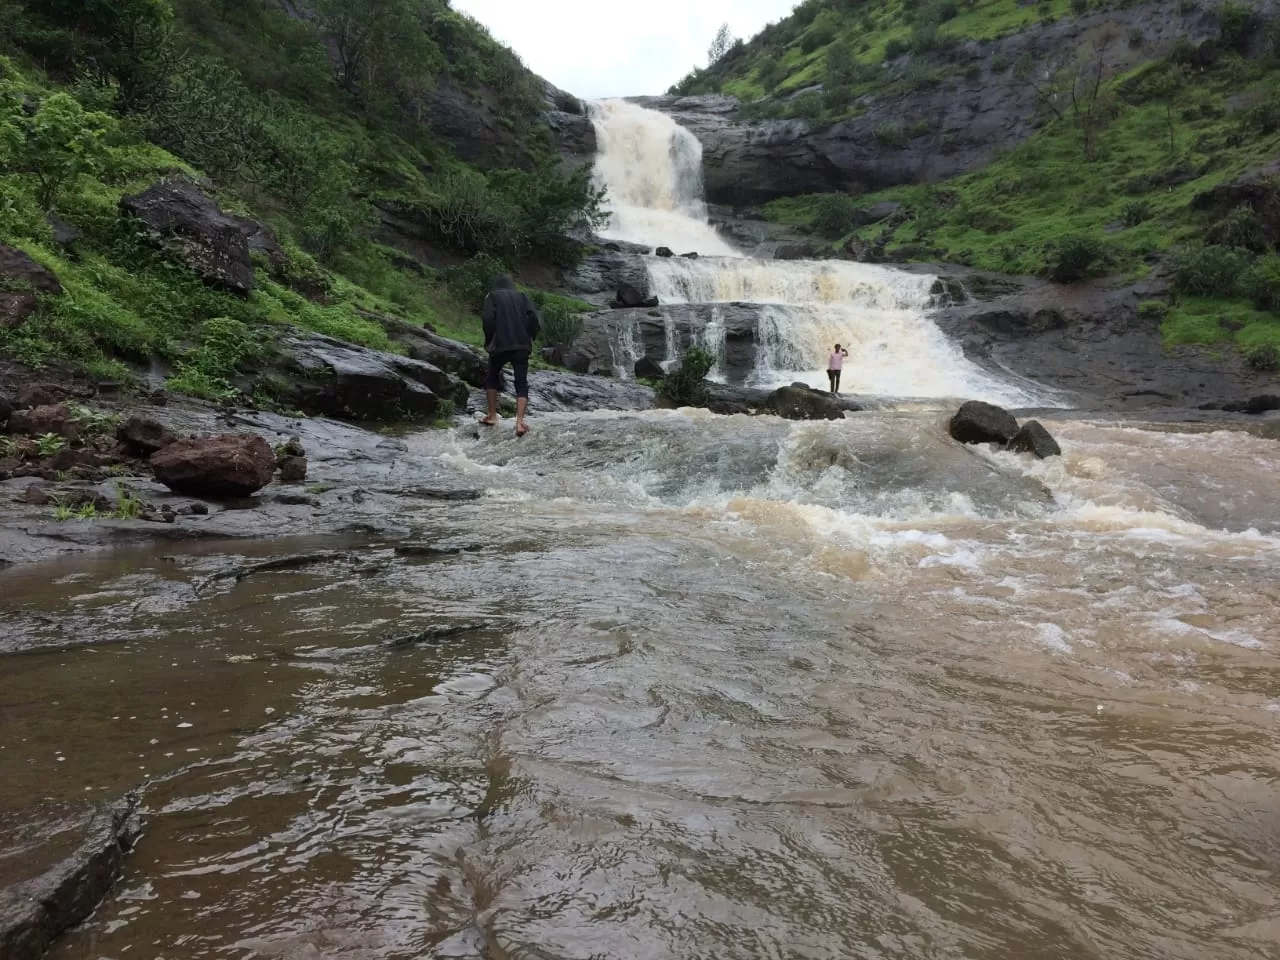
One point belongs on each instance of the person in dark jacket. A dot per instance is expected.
(511, 323)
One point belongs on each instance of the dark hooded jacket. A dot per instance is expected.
(510, 319)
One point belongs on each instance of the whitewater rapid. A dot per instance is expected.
(651, 168)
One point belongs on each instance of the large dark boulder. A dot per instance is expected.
(142, 436)
(978, 422)
(22, 281)
(232, 465)
(629, 296)
(649, 369)
(1254, 406)
(664, 252)
(1034, 438)
(193, 228)
(56, 863)
(803, 403)
(339, 379)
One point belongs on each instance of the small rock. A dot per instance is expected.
(1034, 438)
(64, 234)
(293, 469)
(231, 465)
(7, 467)
(193, 510)
(164, 515)
(690, 256)
(663, 252)
(91, 474)
(37, 495)
(46, 419)
(66, 459)
(978, 422)
(293, 448)
(143, 436)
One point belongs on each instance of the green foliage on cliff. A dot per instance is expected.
(318, 127)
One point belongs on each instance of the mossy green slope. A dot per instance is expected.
(249, 102)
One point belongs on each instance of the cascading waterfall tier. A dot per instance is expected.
(652, 169)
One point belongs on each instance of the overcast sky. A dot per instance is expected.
(605, 48)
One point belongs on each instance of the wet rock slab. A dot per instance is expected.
(58, 862)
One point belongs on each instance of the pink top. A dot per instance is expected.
(836, 361)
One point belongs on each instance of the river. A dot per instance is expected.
(687, 686)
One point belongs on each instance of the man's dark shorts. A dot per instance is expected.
(519, 360)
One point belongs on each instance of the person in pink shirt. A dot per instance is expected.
(835, 363)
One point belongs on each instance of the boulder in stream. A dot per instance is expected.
(664, 252)
(799, 402)
(649, 369)
(232, 465)
(1034, 438)
(979, 422)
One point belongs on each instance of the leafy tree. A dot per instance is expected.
(720, 45)
(55, 145)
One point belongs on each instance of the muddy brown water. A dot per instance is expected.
(694, 687)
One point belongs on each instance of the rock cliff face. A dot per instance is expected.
(981, 106)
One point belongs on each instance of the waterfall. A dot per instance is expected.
(652, 169)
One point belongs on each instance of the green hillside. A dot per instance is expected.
(1128, 171)
(306, 125)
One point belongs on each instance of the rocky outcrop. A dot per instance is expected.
(600, 273)
(552, 391)
(22, 282)
(978, 422)
(57, 863)
(232, 465)
(1034, 438)
(339, 379)
(1258, 189)
(194, 229)
(1090, 344)
(981, 109)
(462, 360)
(614, 340)
(571, 128)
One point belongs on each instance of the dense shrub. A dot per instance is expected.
(835, 214)
(1210, 270)
(1263, 118)
(1264, 357)
(1261, 283)
(561, 324)
(1239, 228)
(471, 281)
(1236, 24)
(807, 106)
(1135, 212)
(896, 48)
(1076, 257)
(686, 386)
(823, 31)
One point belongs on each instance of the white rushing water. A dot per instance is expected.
(652, 169)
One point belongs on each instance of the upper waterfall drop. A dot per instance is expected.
(652, 169)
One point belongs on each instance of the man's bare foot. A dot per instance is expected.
(522, 429)
(489, 422)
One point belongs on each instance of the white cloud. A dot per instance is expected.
(609, 49)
